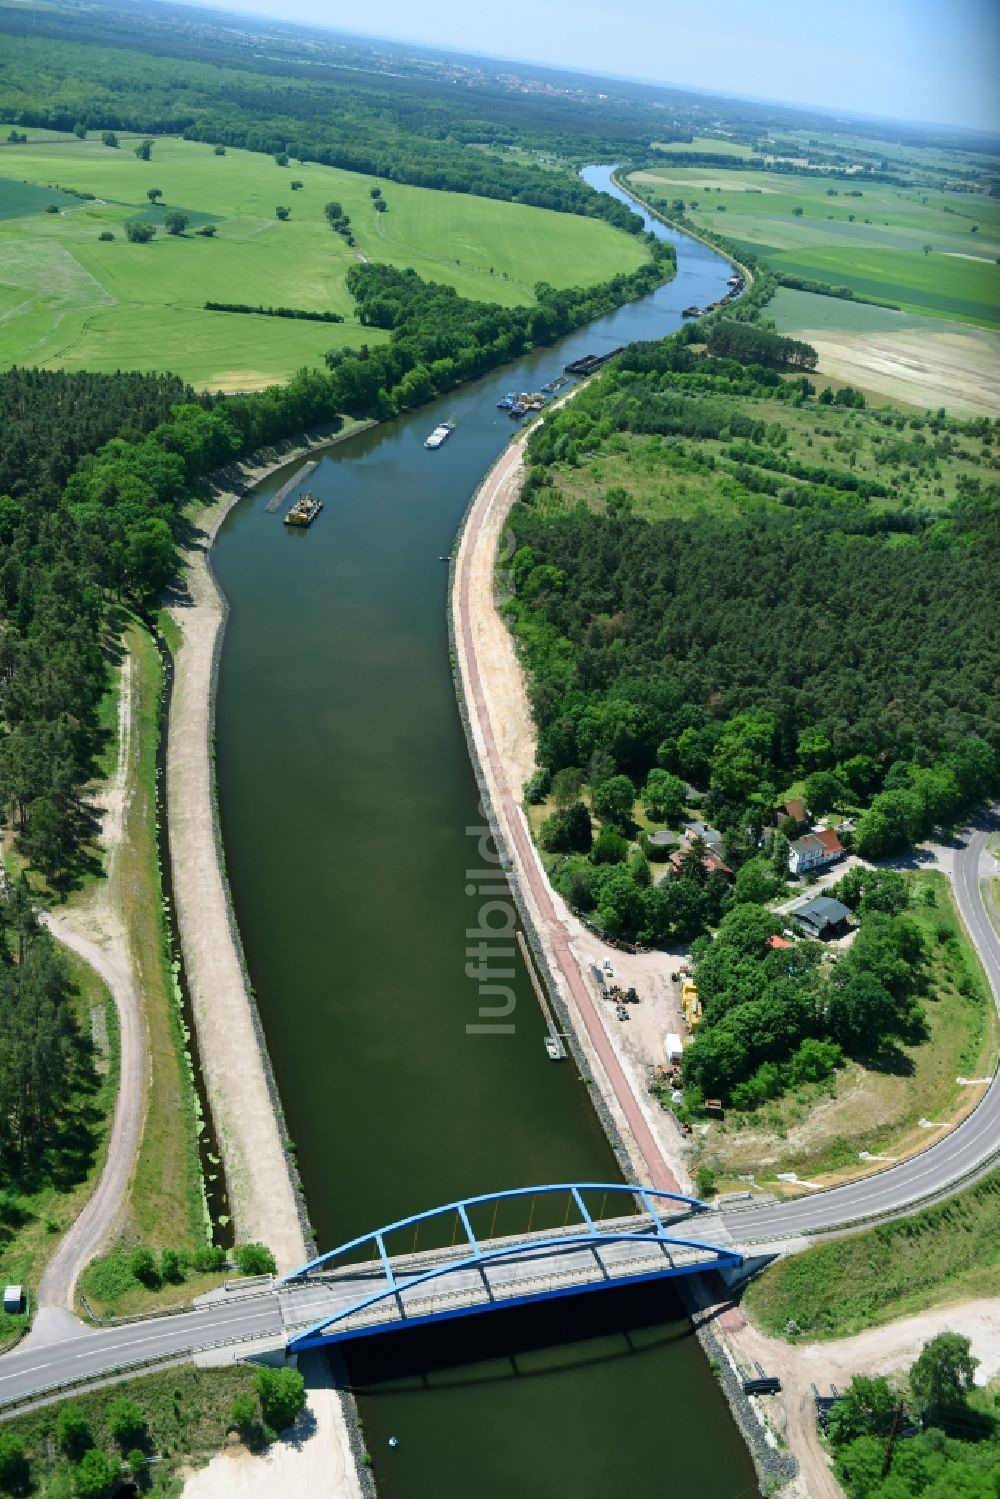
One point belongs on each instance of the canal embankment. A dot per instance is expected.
(623, 186)
(496, 715)
(497, 719)
(265, 1193)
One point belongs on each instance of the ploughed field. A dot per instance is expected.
(70, 300)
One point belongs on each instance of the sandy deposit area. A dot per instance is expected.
(958, 370)
(886, 1350)
(312, 1459)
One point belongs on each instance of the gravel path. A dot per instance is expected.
(103, 1209)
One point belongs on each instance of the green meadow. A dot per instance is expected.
(665, 480)
(72, 301)
(874, 242)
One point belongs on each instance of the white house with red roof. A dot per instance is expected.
(814, 851)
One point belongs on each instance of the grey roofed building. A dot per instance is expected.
(711, 836)
(823, 917)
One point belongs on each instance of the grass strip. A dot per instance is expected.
(945, 1253)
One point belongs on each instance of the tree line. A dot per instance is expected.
(750, 344)
(395, 129)
(260, 311)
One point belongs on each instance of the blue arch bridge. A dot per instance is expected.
(499, 1250)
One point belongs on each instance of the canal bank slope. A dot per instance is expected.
(234, 1063)
(501, 740)
(264, 1192)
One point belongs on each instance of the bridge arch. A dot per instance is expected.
(577, 1245)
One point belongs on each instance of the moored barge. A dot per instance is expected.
(304, 511)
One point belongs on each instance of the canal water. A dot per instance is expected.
(350, 820)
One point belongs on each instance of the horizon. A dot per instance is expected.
(945, 79)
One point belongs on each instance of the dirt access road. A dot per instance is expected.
(95, 929)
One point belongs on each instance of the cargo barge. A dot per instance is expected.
(304, 511)
(591, 362)
(439, 435)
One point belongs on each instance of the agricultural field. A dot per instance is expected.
(716, 145)
(69, 300)
(905, 356)
(931, 251)
(684, 479)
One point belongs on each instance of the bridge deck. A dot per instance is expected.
(529, 1272)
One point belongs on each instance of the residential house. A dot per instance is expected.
(709, 835)
(710, 861)
(814, 851)
(794, 810)
(823, 918)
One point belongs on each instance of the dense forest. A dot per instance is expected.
(437, 95)
(50, 419)
(41, 1056)
(805, 624)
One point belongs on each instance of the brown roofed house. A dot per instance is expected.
(794, 810)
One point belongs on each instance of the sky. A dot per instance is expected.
(929, 60)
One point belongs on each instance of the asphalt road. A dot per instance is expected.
(44, 1364)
